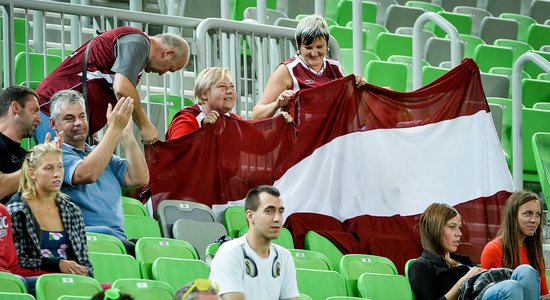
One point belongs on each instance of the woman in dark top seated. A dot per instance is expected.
(48, 229)
(438, 273)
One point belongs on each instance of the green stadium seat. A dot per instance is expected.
(109, 267)
(36, 63)
(533, 69)
(517, 47)
(343, 298)
(134, 207)
(426, 6)
(169, 270)
(316, 242)
(104, 243)
(320, 284)
(352, 266)
(53, 286)
(541, 149)
(137, 227)
(523, 24)
(285, 239)
(11, 283)
(542, 105)
(59, 52)
(430, 74)
(18, 29)
(534, 90)
(344, 12)
(346, 58)
(462, 23)
(384, 286)
(538, 35)
(145, 289)
(534, 120)
(407, 60)
(488, 56)
(506, 133)
(304, 297)
(234, 218)
(71, 297)
(344, 36)
(391, 75)
(388, 44)
(407, 266)
(543, 76)
(470, 43)
(149, 249)
(18, 296)
(372, 30)
(308, 259)
(210, 252)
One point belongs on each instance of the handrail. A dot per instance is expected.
(245, 28)
(357, 37)
(418, 46)
(517, 116)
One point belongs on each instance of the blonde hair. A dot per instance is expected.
(33, 160)
(207, 79)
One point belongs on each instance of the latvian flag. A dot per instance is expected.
(359, 165)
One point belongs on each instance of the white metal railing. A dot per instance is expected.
(418, 46)
(517, 115)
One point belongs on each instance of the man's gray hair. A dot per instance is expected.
(311, 28)
(176, 43)
(64, 96)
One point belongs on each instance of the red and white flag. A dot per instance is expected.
(372, 158)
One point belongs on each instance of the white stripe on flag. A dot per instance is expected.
(399, 171)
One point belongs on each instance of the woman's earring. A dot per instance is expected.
(298, 52)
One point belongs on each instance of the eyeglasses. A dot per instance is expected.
(111, 294)
(199, 284)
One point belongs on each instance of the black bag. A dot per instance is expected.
(475, 286)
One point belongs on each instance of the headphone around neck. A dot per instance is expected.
(251, 269)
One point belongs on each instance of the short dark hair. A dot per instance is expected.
(16, 93)
(252, 200)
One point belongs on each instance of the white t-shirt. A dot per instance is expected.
(228, 271)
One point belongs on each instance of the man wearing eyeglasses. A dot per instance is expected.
(252, 267)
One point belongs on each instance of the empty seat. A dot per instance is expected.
(425, 34)
(391, 75)
(294, 8)
(470, 43)
(462, 23)
(198, 233)
(234, 218)
(309, 259)
(320, 284)
(104, 243)
(352, 266)
(11, 283)
(53, 286)
(149, 249)
(401, 16)
(477, 14)
(240, 5)
(201, 9)
(430, 73)
(426, 6)
(493, 28)
(132, 206)
(169, 270)
(384, 286)
(145, 289)
(534, 90)
(344, 12)
(388, 44)
(438, 50)
(109, 267)
(488, 56)
(344, 36)
(541, 149)
(372, 31)
(537, 36)
(517, 47)
(346, 58)
(449, 5)
(316, 242)
(137, 227)
(495, 85)
(408, 62)
(540, 10)
(37, 61)
(534, 121)
(497, 7)
(169, 211)
(271, 15)
(533, 69)
(523, 24)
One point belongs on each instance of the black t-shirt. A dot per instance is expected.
(11, 157)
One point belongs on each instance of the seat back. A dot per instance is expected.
(19, 25)
(316, 242)
(449, 5)
(540, 11)
(134, 207)
(347, 59)
(438, 50)
(384, 286)
(542, 105)
(488, 56)
(239, 7)
(495, 85)
(145, 289)
(234, 218)
(430, 74)
(506, 132)
(271, 15)
(290, 23)
(169, 270)
(424, 5)
(294, 8)
(533, 69)
(104, 243)
(462, 23)
(497, 7)
(388, 44)
(36, 66)
(137, 227)
(210, 251)
(401, 16)
(534, 90)
(53, 286)
(59, 52)
(391, 75)
(493, 28)
(517, 47)
(285, 239)
(169, 211)
(497, 112)
(309, 259)
(320, 284)
(18, 296)
(352, 266)
(523, 24)
(534, 121)
(470, 43)
(11, 283)
(344, 12)
(104, 270)
(344, 36)
(407, 266)
(149, 249)
(537, 36)
(198, 233)
(476, 13)
(541, 148)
